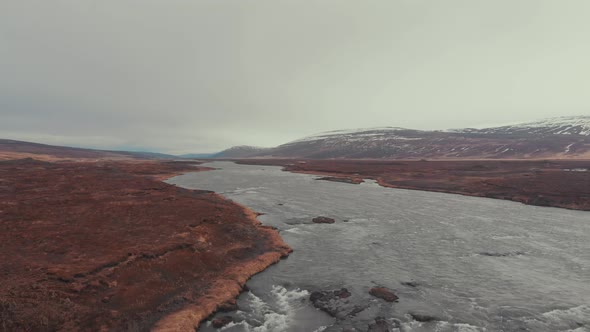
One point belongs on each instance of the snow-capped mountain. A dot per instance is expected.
(353, 134)
(565, 125)
(564, 137)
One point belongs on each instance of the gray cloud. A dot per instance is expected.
(201, 75)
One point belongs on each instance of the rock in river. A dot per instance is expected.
(383, 293)
(380, 325)
(333, 302)
(422, 317)
(220, 322)
(323, 220)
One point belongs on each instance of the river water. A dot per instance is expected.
(469, 263)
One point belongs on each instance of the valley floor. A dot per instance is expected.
(107, 246)
(556, 183)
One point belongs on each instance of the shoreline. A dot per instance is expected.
(531, 182)
(119, 248)
(228, 288)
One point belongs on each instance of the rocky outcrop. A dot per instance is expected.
(334, 302)
(339, 303)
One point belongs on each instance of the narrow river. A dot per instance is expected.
(457, 263)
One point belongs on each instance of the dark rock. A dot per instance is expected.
(383, 293)
(380, 325)
(323, 220)
(501, 254)
(424, 318)
(342, 293)
(356, 310)
(412, 284)
(220, 322)
(334, 303)
(228, 306)
(316, 296)
(323, 301)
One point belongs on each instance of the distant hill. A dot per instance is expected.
(198, 155)
(243, 151)
(10, 149)
(563, 137)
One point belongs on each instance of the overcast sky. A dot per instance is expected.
(183, 76)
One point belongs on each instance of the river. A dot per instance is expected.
(467, 263)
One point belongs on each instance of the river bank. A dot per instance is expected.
(555, 183)
(107, 245)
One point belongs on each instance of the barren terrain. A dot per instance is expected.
(11, 149)
(107, 246)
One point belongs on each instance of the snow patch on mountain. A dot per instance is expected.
(564, 125)
(246, 147)
(357, 134)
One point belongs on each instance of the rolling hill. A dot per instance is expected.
(11, 149)
(563, 137)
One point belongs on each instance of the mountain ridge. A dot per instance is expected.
(559, 137)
